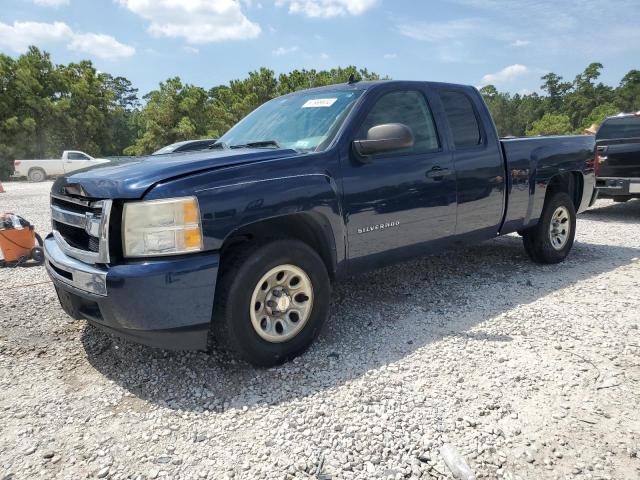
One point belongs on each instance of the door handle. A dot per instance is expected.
(438, 173)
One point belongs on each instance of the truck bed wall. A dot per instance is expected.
(531, 163)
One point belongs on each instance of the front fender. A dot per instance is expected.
(238, 201)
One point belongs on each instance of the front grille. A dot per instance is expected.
(77, 237)
(81, 227)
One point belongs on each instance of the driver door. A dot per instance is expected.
(402, 202)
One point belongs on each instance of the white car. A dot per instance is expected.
(39, 170)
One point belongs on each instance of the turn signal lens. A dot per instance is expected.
(192, 239)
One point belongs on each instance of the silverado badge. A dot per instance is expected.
(380, 226)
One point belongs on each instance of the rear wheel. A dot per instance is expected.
(37, 175)
(271, 301)
(550, 241)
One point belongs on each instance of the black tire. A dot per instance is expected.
(37, 255)
(537, 240)
(37, 175)
(231, 326)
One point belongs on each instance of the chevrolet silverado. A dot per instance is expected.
(238, 246)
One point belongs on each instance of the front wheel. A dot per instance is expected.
(550, 241)
(271, 301)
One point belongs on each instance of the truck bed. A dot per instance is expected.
(530, 162)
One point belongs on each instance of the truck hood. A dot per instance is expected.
(132, 178)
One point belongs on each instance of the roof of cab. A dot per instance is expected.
(370, 84)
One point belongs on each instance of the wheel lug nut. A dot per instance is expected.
(277, 293)
(271, 304)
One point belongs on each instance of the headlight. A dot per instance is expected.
(161, 227)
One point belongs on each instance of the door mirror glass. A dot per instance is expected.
(383, 138)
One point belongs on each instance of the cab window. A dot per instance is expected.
(410, 108)
(76, 156)
(462, 119)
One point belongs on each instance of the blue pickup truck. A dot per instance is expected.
(238, 246)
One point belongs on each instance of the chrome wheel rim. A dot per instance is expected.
(281, 303)
(560, 228)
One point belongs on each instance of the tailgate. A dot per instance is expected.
(619, 158)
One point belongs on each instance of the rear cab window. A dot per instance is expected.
(462, 119)
(76, 156)
(619, 127)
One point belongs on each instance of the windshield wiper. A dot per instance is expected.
(259, 144)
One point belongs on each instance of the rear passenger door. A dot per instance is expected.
(478, 164)
(400, 201)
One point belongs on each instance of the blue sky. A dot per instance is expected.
(509, 43)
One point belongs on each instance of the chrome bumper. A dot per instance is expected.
(70, 271)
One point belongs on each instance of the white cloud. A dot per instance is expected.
(192, 50)
(51, 3)
(280, 51)
(390, 56)
(505, 75)
(557, 27)
(328, 8)
(520, 43)
(440, 31)
(19, 36)
(100, 45)
(197, 21)
(324, 56)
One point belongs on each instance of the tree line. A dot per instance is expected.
(47, 108)
(566, 106)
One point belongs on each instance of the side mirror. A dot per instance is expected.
(385, 138)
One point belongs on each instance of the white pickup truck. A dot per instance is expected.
(39, 170)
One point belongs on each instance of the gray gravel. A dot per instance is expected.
(529, 372)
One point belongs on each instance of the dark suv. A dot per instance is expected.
(618, 143)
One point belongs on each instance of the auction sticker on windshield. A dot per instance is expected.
(319, 102)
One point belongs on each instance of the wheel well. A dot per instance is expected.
(308, 228)
(570, 183)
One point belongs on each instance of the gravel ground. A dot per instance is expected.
(529, 371)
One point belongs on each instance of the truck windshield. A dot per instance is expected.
(620, 127)
(306, 122)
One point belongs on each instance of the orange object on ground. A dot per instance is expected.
(1, 188)
(16, 244)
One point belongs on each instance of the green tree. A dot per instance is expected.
(513, 115)
(628, 93)
(46, 108)
(586, 95)
(556, 90)
(31, 87)
(172, 113)
(551, 124)
(598, 115)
